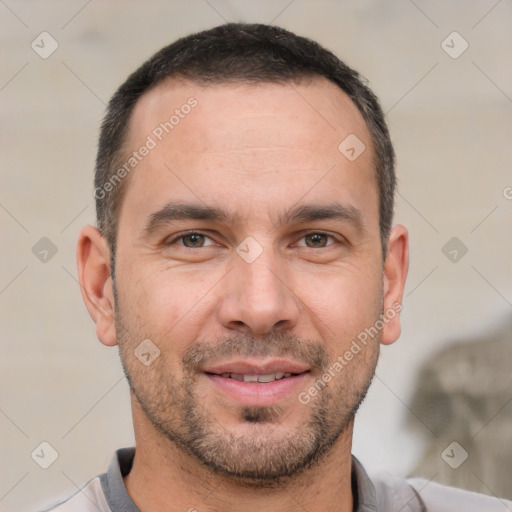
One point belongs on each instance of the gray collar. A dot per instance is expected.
(363, 490)
(112, 481)
(119, 500)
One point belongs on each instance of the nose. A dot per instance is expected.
(258, 298)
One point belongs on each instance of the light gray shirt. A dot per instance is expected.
(107, 493)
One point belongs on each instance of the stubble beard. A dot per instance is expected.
(265, 454)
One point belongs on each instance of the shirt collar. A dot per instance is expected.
(363, 490)
(112, 482)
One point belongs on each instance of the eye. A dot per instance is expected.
(192, 240)
(317, 240)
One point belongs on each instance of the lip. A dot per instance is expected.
(257, 394)
(255, 366)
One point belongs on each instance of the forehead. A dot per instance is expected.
(270, 141)
(313, 105)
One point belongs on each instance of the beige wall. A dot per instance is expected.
(450, 120)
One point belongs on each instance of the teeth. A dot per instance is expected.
(267, 378)
(256, 378)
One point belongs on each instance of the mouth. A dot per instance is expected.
(257, 383)
(269, 377)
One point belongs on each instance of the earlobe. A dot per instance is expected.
(93, 260)
(395, 274)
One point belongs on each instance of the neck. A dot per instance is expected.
(165, 478)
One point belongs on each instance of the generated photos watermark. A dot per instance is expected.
(355, 348)
(152, 140)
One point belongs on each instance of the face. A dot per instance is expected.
(249, 254)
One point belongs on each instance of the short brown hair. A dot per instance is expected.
(238, 53)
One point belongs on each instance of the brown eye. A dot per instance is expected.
(317, 240)
(193, 240)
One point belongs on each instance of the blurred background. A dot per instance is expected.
(441, 402)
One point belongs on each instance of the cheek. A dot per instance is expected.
(165, 305)
(342, 304)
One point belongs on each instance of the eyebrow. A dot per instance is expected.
(185, 211)
(299, 214)
(335, 211)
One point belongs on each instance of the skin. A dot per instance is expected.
(256, 151)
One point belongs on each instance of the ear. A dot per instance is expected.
(93, 259)
(395, 274)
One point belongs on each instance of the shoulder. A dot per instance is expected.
(421, 495)
(90, 498)
(440, 498)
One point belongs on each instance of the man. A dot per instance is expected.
(246, 265)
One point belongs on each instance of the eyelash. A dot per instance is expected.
(183, 235)
(188, 233)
